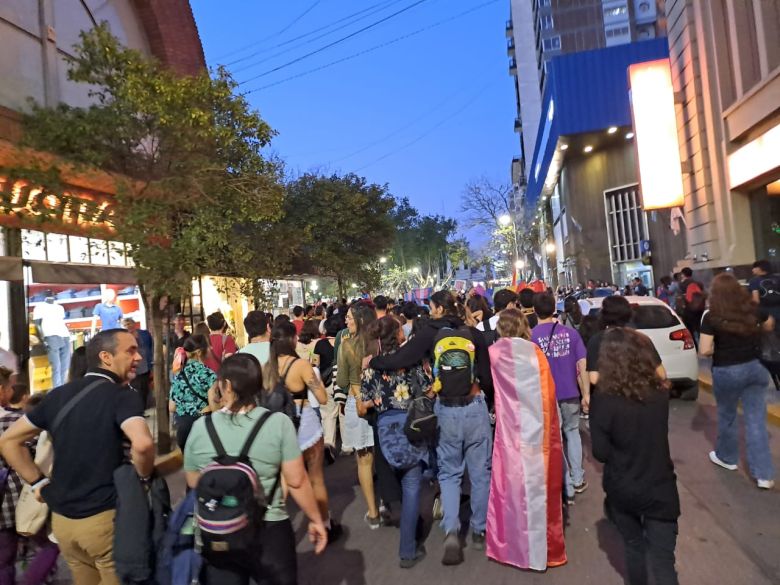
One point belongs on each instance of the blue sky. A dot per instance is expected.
(424, 114)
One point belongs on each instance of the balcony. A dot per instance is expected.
(510, 47)
(509, 29)
(518, 124)
(513, 66)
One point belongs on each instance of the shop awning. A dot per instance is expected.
(11, 268)
(64, 273)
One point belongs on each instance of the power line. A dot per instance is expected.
(304, 43)
(336, 42)
(352, 19)
(366, 51)
(298, 18)
(430, 130)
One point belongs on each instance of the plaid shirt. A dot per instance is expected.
(12, 487)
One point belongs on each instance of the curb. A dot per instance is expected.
(772, 410)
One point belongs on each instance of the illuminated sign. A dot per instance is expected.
(758, 157)
(655, 128)
(76, 211)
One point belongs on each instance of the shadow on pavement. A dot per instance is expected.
(612, 545)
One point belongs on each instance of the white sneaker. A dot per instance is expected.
(717, 461)
(765, 484)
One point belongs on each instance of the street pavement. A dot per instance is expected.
(729, 530)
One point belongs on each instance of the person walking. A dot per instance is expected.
(49, 318)
(324, 359)
(765, 290)
(731, 334)
(465, 437)
(565, 353)
(690, 302)
(190, 388)
(274, 453)
(357, 433)
(525, 509)
(142, 382)
(629, 429)
(663, 292)
(389, 395)
(89, 420)
(221, 344)
(258, 328)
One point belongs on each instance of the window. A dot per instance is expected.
(547, 21)
(616, 12)
(616, 32)
(552, 44)
(625, 224)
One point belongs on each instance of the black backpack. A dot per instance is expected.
(279, 399)
(454, 355)
(230, 500)
(769, 290)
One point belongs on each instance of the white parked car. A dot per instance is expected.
(672, 340)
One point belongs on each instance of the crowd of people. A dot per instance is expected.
(419, 394)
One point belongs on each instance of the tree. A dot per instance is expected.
(342, 227)
(186, 157)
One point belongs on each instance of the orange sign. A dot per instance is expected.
(75, 211)
(655, 129)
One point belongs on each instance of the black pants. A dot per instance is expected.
(275, 565)
(645, 537)
(692, 322)
(183, 427)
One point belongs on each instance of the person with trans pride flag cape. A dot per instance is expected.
(525, 509)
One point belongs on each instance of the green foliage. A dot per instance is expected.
(339, 226)
(187, 156)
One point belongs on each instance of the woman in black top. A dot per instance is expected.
(629, 427)
(731, 334)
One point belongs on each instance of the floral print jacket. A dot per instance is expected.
(394, 390)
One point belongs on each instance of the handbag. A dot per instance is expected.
(31, 514)
(397, 449)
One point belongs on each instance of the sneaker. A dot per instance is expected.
(373, 523)
(578, 489)
(478, 540)
(453, 552)
(438, 509)
(584, 415)
(569, 500)
(717, 461)
(385, 515)
(765, 484)
(409, 563)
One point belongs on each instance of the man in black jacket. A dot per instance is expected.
(465, 437)
(88, 420)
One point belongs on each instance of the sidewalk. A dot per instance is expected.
(772, 395)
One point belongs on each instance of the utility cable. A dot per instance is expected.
(351, 19)
(366, 51)
(336, 42)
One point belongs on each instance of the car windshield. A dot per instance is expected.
(648, 317)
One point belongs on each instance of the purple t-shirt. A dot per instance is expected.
(563, 352)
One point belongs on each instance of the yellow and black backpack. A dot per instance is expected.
(453, 367)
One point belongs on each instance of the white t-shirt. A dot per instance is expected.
(52, 318)
(493, 323)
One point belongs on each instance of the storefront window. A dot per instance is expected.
(98, 252)
(57, 248)
(79, 249)
(33, 245)
(765, 208)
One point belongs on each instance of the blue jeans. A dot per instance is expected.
(58, 350)
(465, 442)
(747, 383)
(411, 481)
(570, 427)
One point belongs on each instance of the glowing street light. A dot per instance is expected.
(354, 285)
(550, 247)
(383, 260)
(504, 220)
(519, 264)
(416, 270)
(314, 285)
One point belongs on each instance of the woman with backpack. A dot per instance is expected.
(629, 429)
(286, 372)
(190, 388)
(461, 363)
(273, 454)
(358, 434)
(390, 395)
(731, 334)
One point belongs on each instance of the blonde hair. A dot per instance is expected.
(513, 323)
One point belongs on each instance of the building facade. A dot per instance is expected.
(70, 258)
(725, 60)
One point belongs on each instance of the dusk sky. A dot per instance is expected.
(424, 114)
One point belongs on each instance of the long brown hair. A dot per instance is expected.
(626, 364)
(731, 308)
(385, 331)
(283, 337)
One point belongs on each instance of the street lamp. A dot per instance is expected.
(504, 220)
(519, 264)
(314, 285)
(416, 270)
(354, 285)
(550, 247)
(383, 260)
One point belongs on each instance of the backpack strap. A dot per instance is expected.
(212, 431)
(71, 404)
(253, 434)
(549, 339)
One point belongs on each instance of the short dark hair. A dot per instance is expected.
(195, 343)
(763, 265)
(380, 302)
(298, 311)
(503, 298)
(527, 298)
(256, 324)
(20, 391)
(544, 305)
(280, 319)
(615, 312)
(216, 321)
(686, 272)
(104, 341)
(410, 310)
(334, 324)
(309, 332)
(637, 278)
